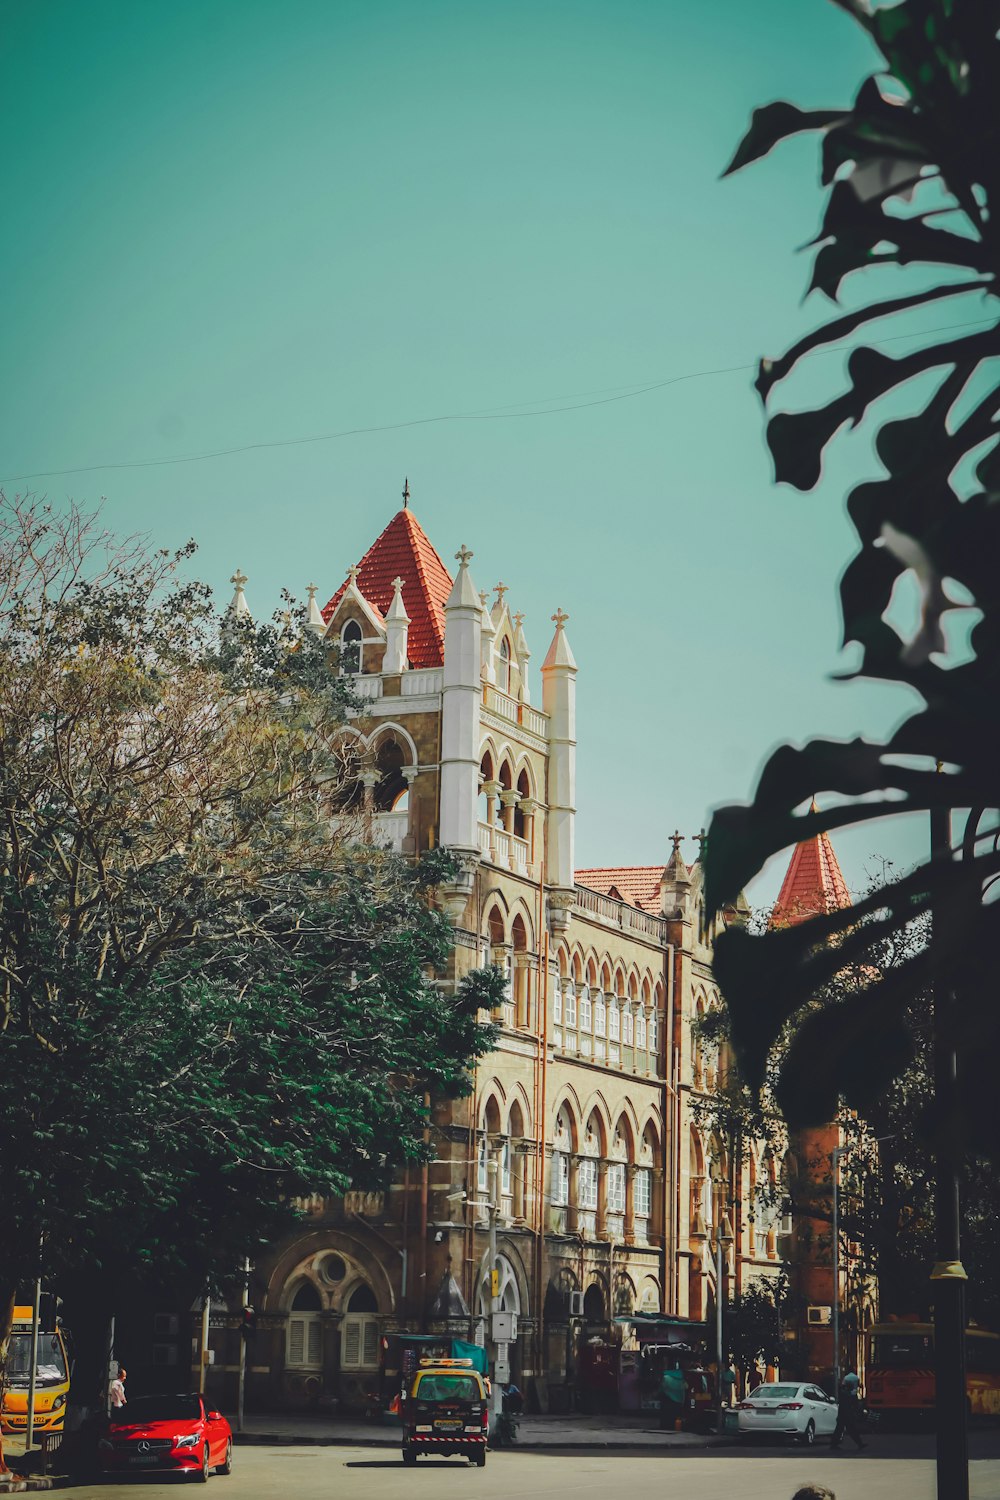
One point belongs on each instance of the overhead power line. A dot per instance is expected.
(515, 411)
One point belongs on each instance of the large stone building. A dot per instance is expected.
(582, 1128)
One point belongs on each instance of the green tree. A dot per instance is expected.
(211, 1004)
(913, 177)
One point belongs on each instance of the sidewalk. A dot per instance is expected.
(576, 1431)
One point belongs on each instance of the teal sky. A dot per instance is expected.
(232, 222)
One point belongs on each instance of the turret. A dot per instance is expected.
(489, 671)
(459, 813)
(559, 702)
(523, 655)
(397, 626)
(314, 617)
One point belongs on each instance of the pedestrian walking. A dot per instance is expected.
(728, 1385)
(673, 1393)
(116, 1390)
(848, 1412)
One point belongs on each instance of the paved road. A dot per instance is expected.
(368, 1474)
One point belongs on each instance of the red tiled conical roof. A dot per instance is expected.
(404, 550)
(813, 884)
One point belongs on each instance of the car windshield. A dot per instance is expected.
(157, 1409)
(776, 1392)
(51, 1366)
(447, 1388)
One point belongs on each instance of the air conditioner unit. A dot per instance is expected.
(576, 1304)
(819, 1317)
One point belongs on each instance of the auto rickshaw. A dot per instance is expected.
(445, 1411)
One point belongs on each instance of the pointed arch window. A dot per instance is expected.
(351, 649)
(503, 674)
(560, 1178)
(569, 1003)
(600, 1016)
(304, 1331)
(628, 1027)
(586, 1010)
(640, 1029)
(359, 1331)
(614, 1022)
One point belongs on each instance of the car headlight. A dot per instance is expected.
(57, 1402)
(187, 1441)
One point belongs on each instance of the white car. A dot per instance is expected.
(802, 1412)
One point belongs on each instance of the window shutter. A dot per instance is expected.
(370, 1355)
(352, 1342)
(314, 1353)
(296, 1340)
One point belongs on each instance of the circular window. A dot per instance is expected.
(333, 1269)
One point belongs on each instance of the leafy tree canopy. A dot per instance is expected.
(912, 171)
(211, 1002)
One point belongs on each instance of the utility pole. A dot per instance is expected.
(29, 1431)
(241, 1374)
(835, 1156)
(948, 1276)
(206, 1312)
(494, 1289)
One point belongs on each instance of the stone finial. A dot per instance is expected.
(701, 838)
(677, 839)
(352, 574)
(559, 619)
(314, 617)
(500, 589)
(238, 607)
(463, 555)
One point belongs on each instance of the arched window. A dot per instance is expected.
(503, 673)
(392, 784)
(614, 1022)
(600, 1015)
(359, 1331)
(586, 1013)
(351, 649)
(304, 1331)
(640, 1030)
(628, 1027)
(482, 1170)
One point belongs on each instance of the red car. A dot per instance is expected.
(155, 1433)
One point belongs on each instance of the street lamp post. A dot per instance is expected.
(722, 1239)
(835, 1155)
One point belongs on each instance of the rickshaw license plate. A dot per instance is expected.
(449, 1426)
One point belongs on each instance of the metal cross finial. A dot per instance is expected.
(353, 572)
(677, 839)
(702, 839)
(239, 578)
(500, 589)
(406, 494)
(462, 556)
(560, 619)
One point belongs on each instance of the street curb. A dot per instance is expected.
(34, 1482)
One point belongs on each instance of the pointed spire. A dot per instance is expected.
(397, 624)
(463, 594)
(239, 609)
(677, 870)
(559, 653)
(314, 619)
(397, 609)
(814, 883)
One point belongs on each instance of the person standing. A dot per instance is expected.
(727, 1382)
(848, 1412)
(673, 1393)
(116, 1390)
